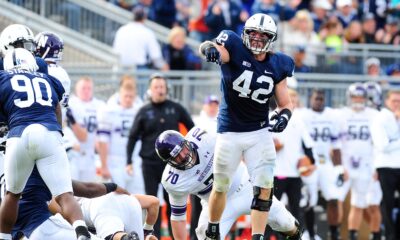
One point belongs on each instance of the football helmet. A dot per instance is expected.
(169, 146)
(374, 94)
(357, 90)
(16, 36)
(263, 24)
(49, 46)
(20, 58)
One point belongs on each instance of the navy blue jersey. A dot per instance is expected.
(39, 61)
(247, 85)
(28, 98)
(32, 207)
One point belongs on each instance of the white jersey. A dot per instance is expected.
(107, 217)
(62, 76)
(85, 114)
(357, 148)
(324, 129)
(114, 123)
(292, 138)
(197, 180)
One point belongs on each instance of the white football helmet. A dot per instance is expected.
(261, 23)
(20, 58)
(357, 90)
(16, 36)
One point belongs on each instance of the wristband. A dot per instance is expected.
(339, 169)
(286, 112)
(110, 187)
(148, 227)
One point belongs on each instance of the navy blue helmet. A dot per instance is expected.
(175, 150)
(49, 46)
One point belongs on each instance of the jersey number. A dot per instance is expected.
(362, 133)
(173, 177)
(242, 85)
(323, 134)
(37, 90)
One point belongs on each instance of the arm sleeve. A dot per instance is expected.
(134, 135)
(178, 203)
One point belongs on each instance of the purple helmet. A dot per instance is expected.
(49, 46)
(170, 144)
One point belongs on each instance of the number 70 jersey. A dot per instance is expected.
(27, 98)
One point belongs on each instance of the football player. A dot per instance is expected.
(19, 36)
(358, 156)
(84, 108)
(321, 123)
(29, 100)
(190, 171)
(115, 122)
(251, 75)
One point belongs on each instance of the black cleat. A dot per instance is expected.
(212, 236)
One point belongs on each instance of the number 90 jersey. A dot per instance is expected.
(248, 84)
(29, 97)
(197, 180)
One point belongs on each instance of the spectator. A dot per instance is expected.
(390, 34)
(369, 28)
(373, 67)
(178, 55)
(274, 9)
(352, 35)
(137, 45)
(197, 25)
(319, 13)
(378, 9)
(184, 9)
(393, 70)
(125, 4)
(346, 13)
(224, 14)
(298, 57)
(163, 12)
(153, 118)
(385, 134)
(331, 35)
(301, 32)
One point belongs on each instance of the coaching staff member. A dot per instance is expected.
(153, 118)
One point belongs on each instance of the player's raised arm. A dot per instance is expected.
(152, 205)
(214, 52)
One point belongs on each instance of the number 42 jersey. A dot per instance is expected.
(197, 180)
(248, 84)
(29, 97)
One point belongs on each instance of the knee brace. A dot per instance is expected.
(221, 183)
(260, 204)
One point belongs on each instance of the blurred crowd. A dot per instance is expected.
(307, 30)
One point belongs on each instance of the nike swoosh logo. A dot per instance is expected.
(266, 72)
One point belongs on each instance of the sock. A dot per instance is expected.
(353, 235)
(309, 220)
(376, 235)
(5, 236)
(213, 229)
(257, 236)
(334, 230)
(81, 228)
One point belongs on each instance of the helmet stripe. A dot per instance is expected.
(14, 58)
(262, 20)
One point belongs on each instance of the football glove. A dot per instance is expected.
(281, 120)
(211, 53)
(70, 117)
